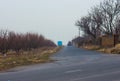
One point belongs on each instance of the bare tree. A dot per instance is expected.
(102, 19)
(90, 25)
(3, 41)
(18, 41)
(117, 30)
(110, 12)
(83, 24)
(96, 20)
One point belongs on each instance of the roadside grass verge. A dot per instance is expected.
(35, 56)
(107, 50)
(111, 50)
(91, 47)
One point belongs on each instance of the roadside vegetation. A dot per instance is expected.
(108, 50)
(111, 50)
(11, 41)
(102, 19)
(35, 56)
(18, 49)
(100, 28)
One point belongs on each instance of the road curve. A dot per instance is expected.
(73, 64)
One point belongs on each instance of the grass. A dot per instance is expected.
(36, 56)
(107, 50)
(91, 47)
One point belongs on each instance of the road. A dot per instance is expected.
(72, 64)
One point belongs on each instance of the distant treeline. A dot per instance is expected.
(10, 40)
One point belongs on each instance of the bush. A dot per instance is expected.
(18, 41)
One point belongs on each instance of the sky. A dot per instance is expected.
(54, 19)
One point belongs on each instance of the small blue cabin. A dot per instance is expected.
(59, 43)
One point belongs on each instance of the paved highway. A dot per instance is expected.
(72, 64)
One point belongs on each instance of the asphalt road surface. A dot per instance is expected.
(73, 64)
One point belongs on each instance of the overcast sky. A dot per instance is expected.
(54, 19)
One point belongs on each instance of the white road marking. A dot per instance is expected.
(73, 71)
(96, 75)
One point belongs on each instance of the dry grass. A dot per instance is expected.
(111, 50)
(41, 55)
(91, 47)
(108, 50)
(117, 46)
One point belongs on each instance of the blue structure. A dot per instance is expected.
(59, 43)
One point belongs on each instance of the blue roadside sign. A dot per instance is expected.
(59, 43)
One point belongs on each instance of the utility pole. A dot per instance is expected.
(79, 31)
